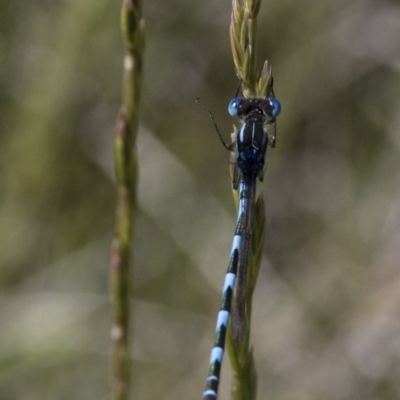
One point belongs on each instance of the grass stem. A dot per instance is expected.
(125, 155)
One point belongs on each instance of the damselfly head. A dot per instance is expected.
(241, 107)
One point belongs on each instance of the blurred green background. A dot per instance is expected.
(327, 303)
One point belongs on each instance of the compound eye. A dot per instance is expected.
(233, 106)
(276, 106)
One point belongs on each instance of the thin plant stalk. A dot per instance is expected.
(243, 31)
(125, 154)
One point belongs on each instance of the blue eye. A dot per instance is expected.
(233, 106)
(276, 106)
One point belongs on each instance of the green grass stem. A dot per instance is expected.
(125, 155)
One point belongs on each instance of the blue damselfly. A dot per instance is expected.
(258, 116)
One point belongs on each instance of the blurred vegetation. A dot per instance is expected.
(326, 306)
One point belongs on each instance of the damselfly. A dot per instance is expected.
(257, 132)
